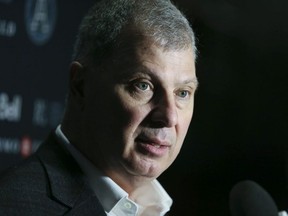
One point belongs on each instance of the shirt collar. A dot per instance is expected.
(152, 197)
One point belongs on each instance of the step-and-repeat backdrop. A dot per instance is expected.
(240, 123)
(36, 42)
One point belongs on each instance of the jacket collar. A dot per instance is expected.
(68, 185)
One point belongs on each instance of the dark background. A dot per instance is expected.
(240, 121)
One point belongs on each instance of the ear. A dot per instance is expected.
(77, 74)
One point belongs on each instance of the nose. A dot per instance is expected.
(165, 112)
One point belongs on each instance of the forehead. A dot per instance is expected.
(147, 57)
(160, 56)
(133, 38)
(177, 66)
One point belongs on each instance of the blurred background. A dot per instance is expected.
(239, 127)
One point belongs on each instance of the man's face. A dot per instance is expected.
(138, 111)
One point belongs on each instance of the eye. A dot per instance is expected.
(143, 86)
(141, 90)
(183, 93)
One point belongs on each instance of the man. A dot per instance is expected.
(130, 102)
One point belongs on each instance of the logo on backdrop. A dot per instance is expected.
(24, 146)
(40, 18)
(7, 28)
(47, 113)
(10, 109)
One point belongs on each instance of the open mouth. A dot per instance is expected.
(152, 146)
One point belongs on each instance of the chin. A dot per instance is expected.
(148, 170)
(137, 164)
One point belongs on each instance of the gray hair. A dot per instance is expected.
(158, 20)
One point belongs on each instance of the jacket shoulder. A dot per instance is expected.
(25, 190)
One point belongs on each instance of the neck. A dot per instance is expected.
(127, 181)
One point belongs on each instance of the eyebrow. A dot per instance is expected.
(142, 69)
(194, 81)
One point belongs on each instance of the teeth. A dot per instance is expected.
(157, 146)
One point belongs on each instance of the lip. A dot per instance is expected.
(152, 146)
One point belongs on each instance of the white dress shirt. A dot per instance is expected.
(283, 213)
(150, 200)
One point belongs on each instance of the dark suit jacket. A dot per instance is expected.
(48, 183)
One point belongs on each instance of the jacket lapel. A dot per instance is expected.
(68, 185)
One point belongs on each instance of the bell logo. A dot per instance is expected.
(40, 20)
(10, 110)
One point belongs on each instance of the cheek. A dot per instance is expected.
(130, 111)
(181, 134)
(132, 119)
(183, 127)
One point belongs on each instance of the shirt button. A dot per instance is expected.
(127, 205)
